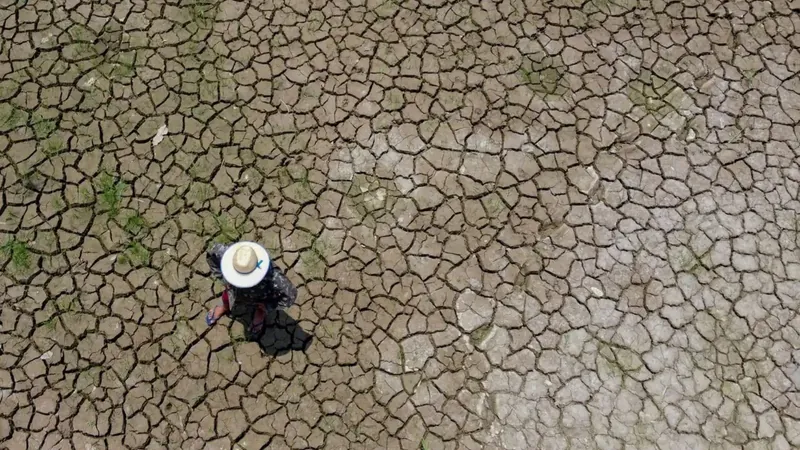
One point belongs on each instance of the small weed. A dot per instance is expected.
(85, 195)
(203, 192)
(314, 25)
(238, 339)
(208, 90)
(315, 254)
(228, 232)
(314, 258)
(653, 94)
(136, 255)
(386, 6)
(58, 203)
(736, 135)
(88, 377)
(66, 304)
(424, 445)
(327, 331)
(42, 128)
(191, 48)
(749, 74)
(32, 181)
(228, 357)
(689, 262)
(50, 324)
(202, 14)
(651, 104)
(303, 178)
(111, 191)
(8, 88)
(284, 178)
(135, 224)
(80, 33)
(53, 146)
(611, 364)
(236, 345)
(18, 252)
(493, 205)
(11, 117)
(120, 70)
(601, 5)
(48, 239)
(479, 335)
(543, 77)
(84, 50)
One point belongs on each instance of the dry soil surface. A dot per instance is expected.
(527, 225)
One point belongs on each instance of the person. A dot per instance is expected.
(250, 278)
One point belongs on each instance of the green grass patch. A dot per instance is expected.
(493, 205)
(284, 177)
(601, 5)
(80, 33)
(32, 181)
(655, 95)
(53, 146)
(89, 376)
(317, 250)
(83, 50)
(66, 304)
(110, 193)
(646, 98)
(606, 6)
(749, 74)
(85, 195)
(302, 178)
(18, 253)
(11, 117)
(314, 258)
(136, 255)
(8, 88)
(543, 75)
(135, 224)
(58, 203)
(50, 324)
(480, 334)
(688, 261)
(227, 230)
(42, 127)
(120, 70)
(205, 192)
(201, 13)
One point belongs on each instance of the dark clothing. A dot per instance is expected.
(275, 291)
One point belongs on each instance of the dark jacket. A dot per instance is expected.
(274, 291)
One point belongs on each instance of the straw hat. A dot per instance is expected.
(244, 264)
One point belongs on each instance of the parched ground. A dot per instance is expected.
(541, 224)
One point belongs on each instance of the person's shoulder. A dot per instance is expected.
(218, 248)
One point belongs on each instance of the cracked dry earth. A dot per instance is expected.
(566, 224)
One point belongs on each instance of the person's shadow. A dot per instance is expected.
(281, 333)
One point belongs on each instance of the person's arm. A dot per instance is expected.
(214, 259)
(284, 291)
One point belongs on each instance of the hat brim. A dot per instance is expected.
(244, 280)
